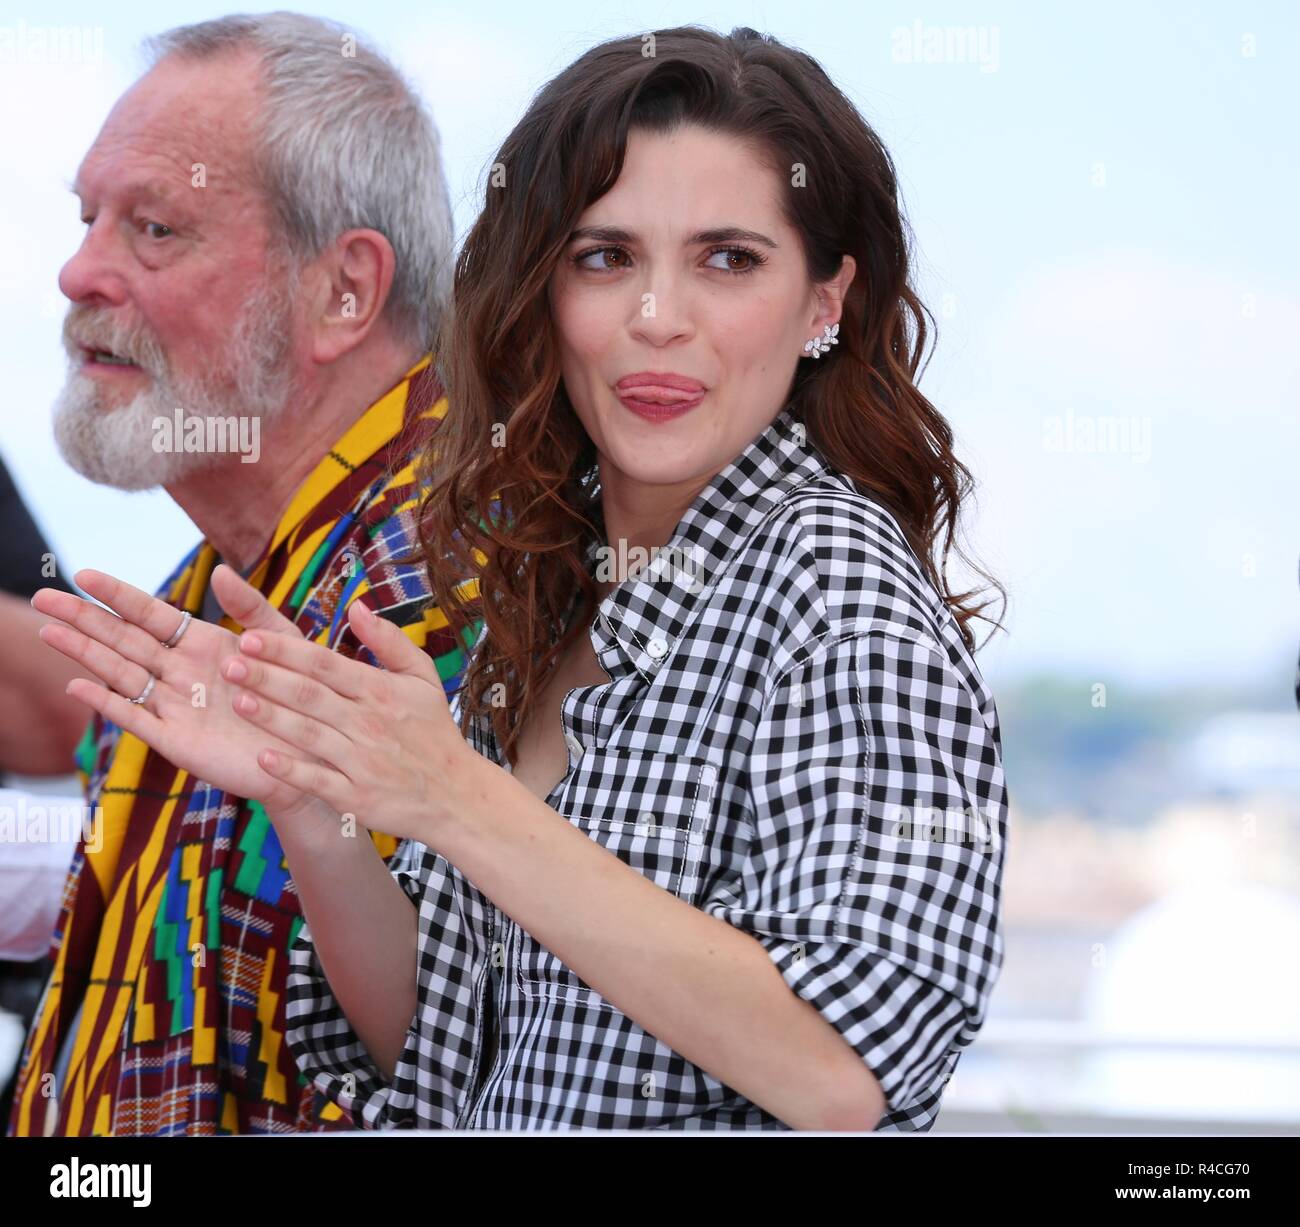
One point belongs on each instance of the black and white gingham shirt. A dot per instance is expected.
(796, 740)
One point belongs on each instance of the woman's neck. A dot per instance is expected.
(640, 520)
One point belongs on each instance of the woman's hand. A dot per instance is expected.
(187, 717)
(380, 744)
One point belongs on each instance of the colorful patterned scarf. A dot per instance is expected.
(174, 933)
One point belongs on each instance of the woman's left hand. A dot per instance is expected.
(387, 748)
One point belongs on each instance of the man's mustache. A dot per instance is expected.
(96, 328)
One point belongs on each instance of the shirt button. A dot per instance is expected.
(574, 745)
(657, 648)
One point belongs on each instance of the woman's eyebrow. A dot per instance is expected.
(719, 234)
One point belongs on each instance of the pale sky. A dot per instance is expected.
(1103, 201)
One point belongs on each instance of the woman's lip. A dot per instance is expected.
(658, 409)
(656, 394)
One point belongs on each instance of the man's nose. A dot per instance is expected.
(93, 275)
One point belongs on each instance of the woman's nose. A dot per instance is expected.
(663, 315)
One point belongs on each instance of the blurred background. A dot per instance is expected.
(1103, 200)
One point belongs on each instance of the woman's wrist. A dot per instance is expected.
(468, 787)
(314, 828)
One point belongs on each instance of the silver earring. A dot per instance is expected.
(820, 345)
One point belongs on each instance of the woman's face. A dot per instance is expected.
(686, 268)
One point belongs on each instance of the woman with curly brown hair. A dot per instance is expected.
(712, 836)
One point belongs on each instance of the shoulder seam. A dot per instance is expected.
(912, 572)
(810, 649)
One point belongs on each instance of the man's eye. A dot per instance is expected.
(156, 230)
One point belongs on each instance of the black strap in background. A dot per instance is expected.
(22, 546)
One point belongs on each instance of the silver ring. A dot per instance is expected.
(180, 630)
(144, 694)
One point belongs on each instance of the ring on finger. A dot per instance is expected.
(144, 694)
(180, 630)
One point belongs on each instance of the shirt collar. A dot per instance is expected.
(649, 611)
(374, 430)
(369, 434)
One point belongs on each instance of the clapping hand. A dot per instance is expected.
(378, 743)
(187, 715)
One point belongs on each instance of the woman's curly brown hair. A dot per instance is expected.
(518, 507)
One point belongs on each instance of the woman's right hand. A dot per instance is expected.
(189, 717)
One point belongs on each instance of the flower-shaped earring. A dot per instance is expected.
(820, 345)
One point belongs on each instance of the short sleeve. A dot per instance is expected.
(329, 1053)
(873, 872)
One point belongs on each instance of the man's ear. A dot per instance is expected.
(356, 275)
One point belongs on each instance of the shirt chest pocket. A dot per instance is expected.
(652, 811)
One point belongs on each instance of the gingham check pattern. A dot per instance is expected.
(796, 740)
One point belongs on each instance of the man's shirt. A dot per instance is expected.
(171, 948)
(795, 739)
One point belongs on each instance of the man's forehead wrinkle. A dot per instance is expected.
(185, 114)
(133, 157)
(163, 159)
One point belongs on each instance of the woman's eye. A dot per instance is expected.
(602, 252)
(156, 230)
(751, 259)
(617, 257)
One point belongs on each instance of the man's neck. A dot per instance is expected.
(237, 506)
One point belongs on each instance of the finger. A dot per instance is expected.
(156, 617)
(133, 717)
(316, 779)
(122, 675)
(246, 605)
(296, 728)
(295, 691)
(392, 648)
(94, 622)
(345, 677)
(65, 649)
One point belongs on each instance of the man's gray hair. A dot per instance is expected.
(345, 143)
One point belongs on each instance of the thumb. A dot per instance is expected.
(392, 647)
(246, 605)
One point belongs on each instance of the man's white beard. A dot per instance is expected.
(251, 376)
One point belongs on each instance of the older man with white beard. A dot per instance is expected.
(143, 443)
(268, 240)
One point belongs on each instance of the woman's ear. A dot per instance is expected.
(831, 294)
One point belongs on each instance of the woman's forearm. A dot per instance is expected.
(362, 924)
(702, 987)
